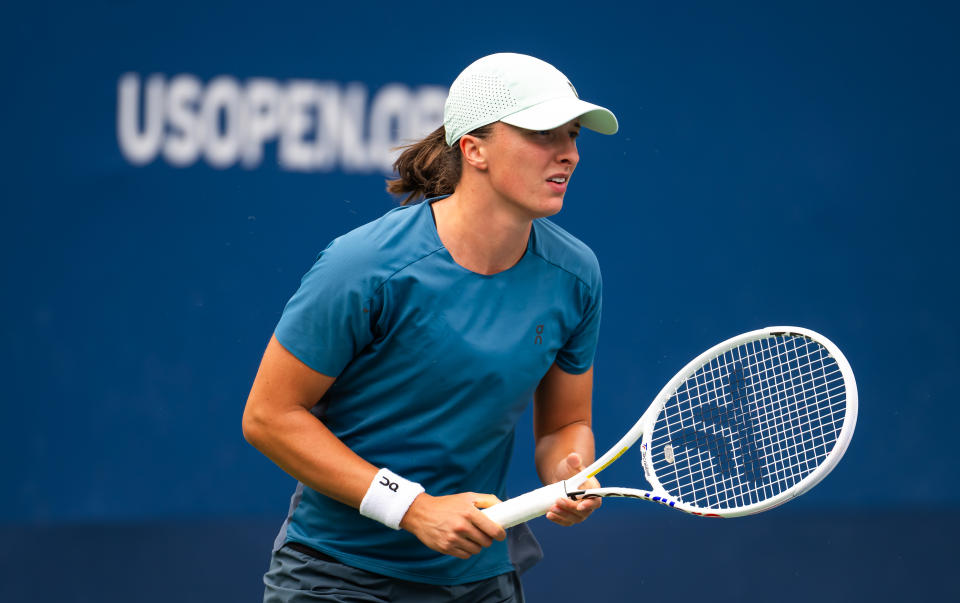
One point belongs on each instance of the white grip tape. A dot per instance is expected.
(388, 498)
(526, 506)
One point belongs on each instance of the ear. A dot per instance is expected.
(474, 151)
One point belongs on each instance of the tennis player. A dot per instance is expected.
(395, 377)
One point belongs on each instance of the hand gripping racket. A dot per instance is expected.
(747, 425)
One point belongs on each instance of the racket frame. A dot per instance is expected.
(536, 502)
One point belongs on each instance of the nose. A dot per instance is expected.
(567, 151)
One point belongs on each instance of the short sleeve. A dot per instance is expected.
(576, 356)
(328, 321)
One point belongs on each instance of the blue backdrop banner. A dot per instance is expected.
(171, 170)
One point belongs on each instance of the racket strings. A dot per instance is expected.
(775, 435)
(749, 424)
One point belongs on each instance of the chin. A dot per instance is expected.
(539, 208)
(551, 208)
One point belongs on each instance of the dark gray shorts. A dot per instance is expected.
(296, 577)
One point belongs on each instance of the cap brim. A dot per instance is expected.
(558, 111)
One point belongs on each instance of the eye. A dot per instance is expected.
(541, 136)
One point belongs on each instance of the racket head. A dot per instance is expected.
(749, 424)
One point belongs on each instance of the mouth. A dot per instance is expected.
(558, 184)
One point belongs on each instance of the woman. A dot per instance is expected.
(418, 339)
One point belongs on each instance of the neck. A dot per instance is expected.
(482, 237)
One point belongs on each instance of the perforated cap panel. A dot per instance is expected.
(479, 99)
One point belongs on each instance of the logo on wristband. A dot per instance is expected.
(394, 486)
(389, 509)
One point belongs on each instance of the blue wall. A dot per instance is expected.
(775, 164)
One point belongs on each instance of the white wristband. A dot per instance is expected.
(388, 498)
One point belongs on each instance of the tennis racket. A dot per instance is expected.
(747, 425)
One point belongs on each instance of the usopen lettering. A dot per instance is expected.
(318, 126)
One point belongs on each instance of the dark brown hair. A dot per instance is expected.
(429, 168)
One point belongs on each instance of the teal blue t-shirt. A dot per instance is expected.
(434, 366)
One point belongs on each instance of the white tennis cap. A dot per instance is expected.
(519, 90)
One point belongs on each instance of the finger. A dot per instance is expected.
(564, 508)
(457, 552)
(470, 529)
(489, 527)
(468, 546)
(589, 505)
(584, 506)
(484, 501)
(569, 466)
(568, 512)
(483, 523)
(476, 537)
(560, 517)
(591, 482)
(566, 504)
(466, 538)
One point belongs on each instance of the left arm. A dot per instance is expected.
(564, 437)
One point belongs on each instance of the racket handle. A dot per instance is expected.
(526, 506)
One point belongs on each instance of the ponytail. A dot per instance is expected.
(429, 168)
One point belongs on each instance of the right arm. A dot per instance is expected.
(277, 422)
